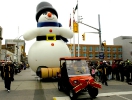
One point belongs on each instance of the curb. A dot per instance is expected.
(61, 98)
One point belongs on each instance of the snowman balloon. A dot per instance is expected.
(51, 39)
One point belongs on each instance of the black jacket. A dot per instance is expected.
(8, 71)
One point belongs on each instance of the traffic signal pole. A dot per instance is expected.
(78, 30)
(99, 32)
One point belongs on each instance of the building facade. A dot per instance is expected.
(7, 55)
(0, 40)
(17, 47)
(111, 52)
(126, 43)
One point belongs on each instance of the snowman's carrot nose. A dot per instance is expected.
(49, 14)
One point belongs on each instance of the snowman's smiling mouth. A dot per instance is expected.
(49, 19)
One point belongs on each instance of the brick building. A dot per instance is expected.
(111, 52)
(0, 40)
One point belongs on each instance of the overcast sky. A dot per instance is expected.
(115, 17)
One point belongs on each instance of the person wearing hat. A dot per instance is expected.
(103, 68)
(99, 68)
(121, 69)
(8, 71)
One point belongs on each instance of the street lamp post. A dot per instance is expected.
(18, 46)
(5, 50)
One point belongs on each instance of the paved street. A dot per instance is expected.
(26, 87)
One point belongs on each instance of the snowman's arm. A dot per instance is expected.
(67, 33)
(31, 34)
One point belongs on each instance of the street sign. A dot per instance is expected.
(101, 55)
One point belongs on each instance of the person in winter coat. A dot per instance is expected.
(104, 74)
(2, 70)
(93, 72)
(127, 71)
(99, 71)
(113, 69)
(121, 70)
(117, 71)
(109, 70)
(8, 75)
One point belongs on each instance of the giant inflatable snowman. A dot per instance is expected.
(51, 39)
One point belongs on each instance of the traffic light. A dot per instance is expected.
(75, 27)
(83, 36)
(104, 43)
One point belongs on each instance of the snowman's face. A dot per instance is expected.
(47, 17)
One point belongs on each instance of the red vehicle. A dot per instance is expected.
(75, 77)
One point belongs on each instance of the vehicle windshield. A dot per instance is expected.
(77, 68)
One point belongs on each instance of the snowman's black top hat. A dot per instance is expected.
(44, 6)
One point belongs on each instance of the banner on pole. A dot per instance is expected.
(101, 55)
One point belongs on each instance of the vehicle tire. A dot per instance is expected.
(93, 92)
(59, 86)
(72, 95)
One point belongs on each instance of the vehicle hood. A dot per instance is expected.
(83, 81)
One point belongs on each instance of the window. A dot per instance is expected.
(96, 48)
(96, 55)
(84, 55)
(120, 56)
(114, 49)
(119, 49)
(84, 49)
(76, 54)
(90, 49)
(72, 55)
(90, 55)
(103, 49)
(77, 48)
(72, 49)
(108, 48)
(114, 55)
(108, 55)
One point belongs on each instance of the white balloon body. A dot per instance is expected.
(42, 53)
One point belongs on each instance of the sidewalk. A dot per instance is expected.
(20, 79)
(26, 87)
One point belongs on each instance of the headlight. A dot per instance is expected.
(75, 81)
